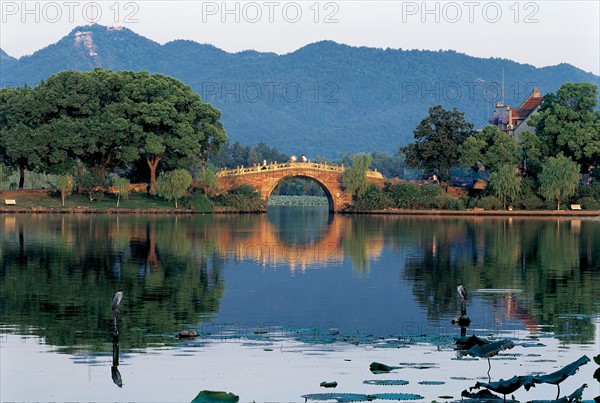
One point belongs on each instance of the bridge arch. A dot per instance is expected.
(322, 185)
(266, 177)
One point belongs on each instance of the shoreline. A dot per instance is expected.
(225, 210)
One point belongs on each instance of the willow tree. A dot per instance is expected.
(559, 178)
(354, 179)
(506, 183)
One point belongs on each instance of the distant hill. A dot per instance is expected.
(321, 100)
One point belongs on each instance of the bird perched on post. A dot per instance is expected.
(116, 300)
(462, 291)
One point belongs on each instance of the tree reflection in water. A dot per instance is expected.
(58, 271)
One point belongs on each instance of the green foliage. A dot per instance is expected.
(122, 186)
(244, 198)
(373, 198)
(492, 147)
(298, 186)
(65, 184)
(567, 123)
(559, 178)
(506, 183)
(405, 195)
(534, 152)
(488, 203)
(438, 139)
(429, 192)
(173, 185)
(447, 202)
(528, 199)
(106, 120)
(207, 180)
(355, 176)
(199, 203)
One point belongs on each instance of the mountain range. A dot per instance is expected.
(323, 99)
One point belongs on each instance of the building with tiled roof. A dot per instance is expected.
(514, 120)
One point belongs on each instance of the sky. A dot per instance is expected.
(540, 33)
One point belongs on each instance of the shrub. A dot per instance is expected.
(373, 198)
(428, 196)
(589, 203)
(446, 202)
(405, 195)
(198, 202)
(243, 198)
(489, 203)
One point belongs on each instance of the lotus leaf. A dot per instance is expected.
(210, 396)
(339, 397)
(386, 382)
(397, 396)
(379, 368)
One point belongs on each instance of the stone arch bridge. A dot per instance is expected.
(266, 177)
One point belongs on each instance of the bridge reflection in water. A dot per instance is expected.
(276, 242)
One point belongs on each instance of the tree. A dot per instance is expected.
(559, 178)
(533, 153)
(22, 145)
(172, 124)
(90, 110)
(568, 123)
(207, 180)
(355, 176)
(65, 183)
(172, 185)
(490, 146)
(438, 140)
(506, 183)
(122, 187)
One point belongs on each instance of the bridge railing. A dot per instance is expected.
(275, 166)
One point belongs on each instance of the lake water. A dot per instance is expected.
(284, 301)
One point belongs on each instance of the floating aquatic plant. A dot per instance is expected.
(397, 396)
(379, 368)
(339, 397)
(529, 381)
(210, 396)
(386, 382)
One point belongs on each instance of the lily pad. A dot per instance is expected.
(397, 396)
(210, 396)
(384, 382)
(338, 397)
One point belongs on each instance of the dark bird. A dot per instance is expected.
(116, 300)
(462, 291)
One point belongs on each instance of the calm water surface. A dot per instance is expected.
(286, 300)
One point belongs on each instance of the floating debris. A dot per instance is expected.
(328, 384)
